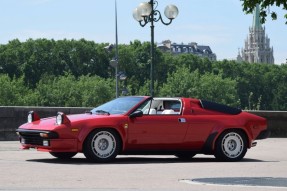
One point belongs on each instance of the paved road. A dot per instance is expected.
(32, 170)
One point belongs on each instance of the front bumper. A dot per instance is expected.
(51, 143)
(263, 134)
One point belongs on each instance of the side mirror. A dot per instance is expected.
(135, 114)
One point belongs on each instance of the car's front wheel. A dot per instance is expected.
(63, 155)
(231, 146)
(102, 145)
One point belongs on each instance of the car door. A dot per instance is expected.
(157, 131)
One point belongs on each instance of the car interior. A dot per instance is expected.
(163, 106)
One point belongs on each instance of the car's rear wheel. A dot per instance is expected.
(231, 146)
(102, 145)
(63, 155)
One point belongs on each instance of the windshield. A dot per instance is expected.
(117, 106)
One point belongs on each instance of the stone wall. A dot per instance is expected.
(12, 117)
(277, 122)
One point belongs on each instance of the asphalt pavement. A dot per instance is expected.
(263, 168)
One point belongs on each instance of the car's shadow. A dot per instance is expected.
(137, 160)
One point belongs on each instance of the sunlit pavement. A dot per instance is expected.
(265, 164)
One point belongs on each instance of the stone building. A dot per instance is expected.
(257, 45)
(190, 48)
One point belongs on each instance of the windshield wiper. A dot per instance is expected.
(102, 112)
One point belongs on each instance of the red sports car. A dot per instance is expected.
(182, 127)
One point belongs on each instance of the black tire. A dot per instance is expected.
(63, 155)
(102, 145)
(231, 146)
(185, 156)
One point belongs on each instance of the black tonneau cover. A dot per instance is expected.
(219, 107)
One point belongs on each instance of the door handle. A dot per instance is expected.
(182, 120)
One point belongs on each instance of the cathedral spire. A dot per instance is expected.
(257, 46)
(256, 19)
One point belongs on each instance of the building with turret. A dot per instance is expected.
(190, 48)
(257, 45)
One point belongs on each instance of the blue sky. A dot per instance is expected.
(221, 24)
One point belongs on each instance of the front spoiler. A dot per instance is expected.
(55, 145)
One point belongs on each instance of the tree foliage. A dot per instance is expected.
(206, 86)
(69, 91)
(77, 73)
(34, 58)
(13, 91)
(86, 91)
(249, 6)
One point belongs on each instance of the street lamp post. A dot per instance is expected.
(115, 62)
(147, 13)
(117, 50)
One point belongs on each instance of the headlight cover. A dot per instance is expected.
(32, 116)
(59, 118)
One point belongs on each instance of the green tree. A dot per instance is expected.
(193, 62)
(95, 90)
(134, 60)
(13, 92)
(35, 69)
(35, 58)
(10, 56)
(260, 80)
(280, 91)
(68, 91)
(203, 86)
(249, 6)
